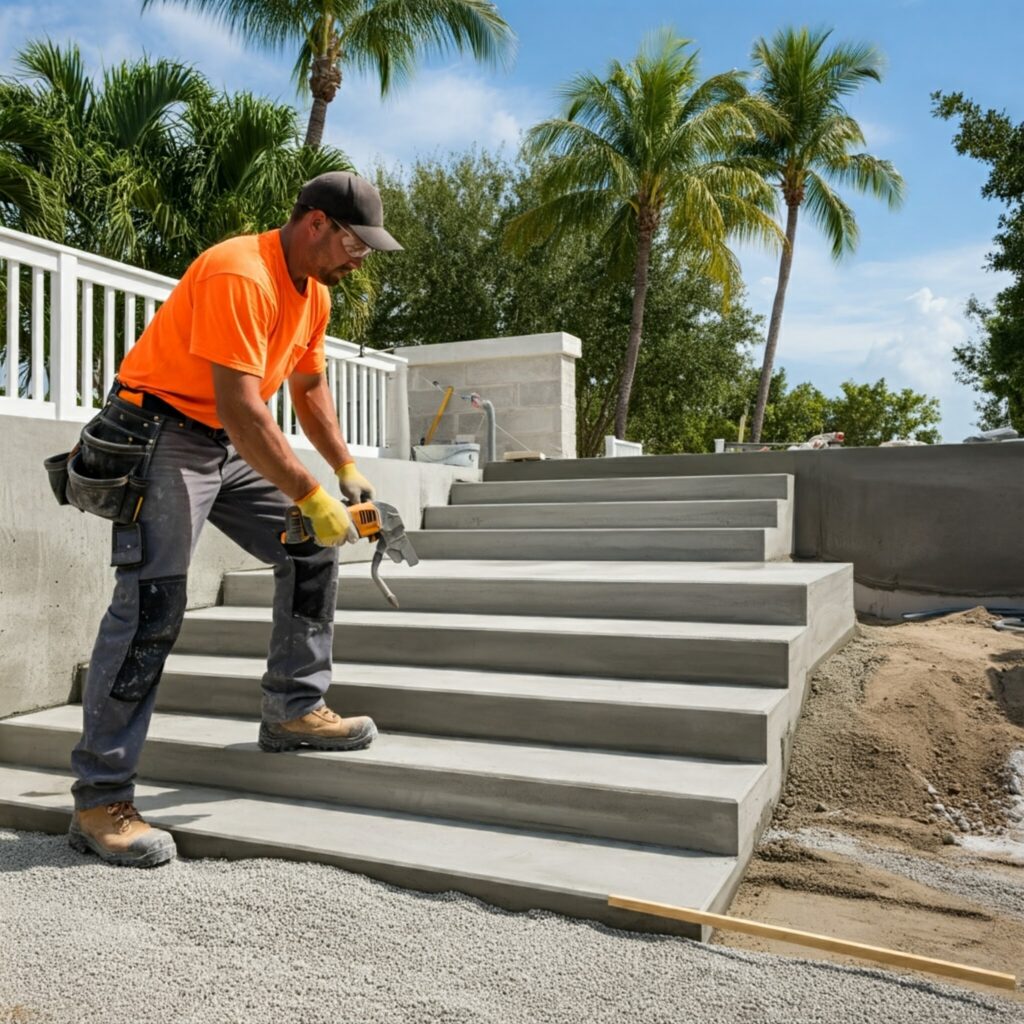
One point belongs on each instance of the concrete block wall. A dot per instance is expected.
(55, 575)
(530, 379)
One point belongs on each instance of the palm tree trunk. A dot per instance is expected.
(324, 81)
(775, 324)
(636, 324)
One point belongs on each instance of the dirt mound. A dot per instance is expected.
(901, 757)
(908, 731)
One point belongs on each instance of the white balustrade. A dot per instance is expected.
(68, 318)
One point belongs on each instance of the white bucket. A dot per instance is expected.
(464, 454)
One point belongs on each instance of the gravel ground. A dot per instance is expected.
(215, 942)
(987, 888)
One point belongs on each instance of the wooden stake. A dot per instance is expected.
(768, 931)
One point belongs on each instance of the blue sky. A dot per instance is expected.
(893, 310)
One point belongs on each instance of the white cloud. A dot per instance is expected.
(438, 111)
(864, 319)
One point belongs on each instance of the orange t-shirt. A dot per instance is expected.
(238, 307)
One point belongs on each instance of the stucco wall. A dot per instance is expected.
(530, 379)
(941, 519)
(55, 579)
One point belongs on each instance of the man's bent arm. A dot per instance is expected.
(314, 406)
(255, 435)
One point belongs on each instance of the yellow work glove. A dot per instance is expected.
(328, 518)
(353, 484)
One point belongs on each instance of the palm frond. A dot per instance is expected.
(832, 215)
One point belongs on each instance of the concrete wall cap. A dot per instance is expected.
(556, 343)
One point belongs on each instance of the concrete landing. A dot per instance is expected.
(692, 719)
(514, 869)
(681, 802)
(779, 593)
(763, 655)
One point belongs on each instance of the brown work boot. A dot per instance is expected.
(321, 729)
(117, 834)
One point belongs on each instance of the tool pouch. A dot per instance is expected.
(105, 473)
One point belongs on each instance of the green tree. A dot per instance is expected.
(457, 280)
(149, 165)
(808, 147)
(869, 414)
(383, 37)
(644, 158)
(993, 362)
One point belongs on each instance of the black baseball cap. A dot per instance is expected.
(352, 200)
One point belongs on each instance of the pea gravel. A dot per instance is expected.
(253, 941)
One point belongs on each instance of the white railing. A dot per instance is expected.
(67, 319)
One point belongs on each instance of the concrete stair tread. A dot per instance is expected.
(525, 623)
(508, 866)
(721, 781)
(698, 696)
(796, 573)
(620, 514)
(724, 487)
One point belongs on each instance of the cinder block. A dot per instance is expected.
(506, 371)
(502, 395)
(426, 403)
(531, 421)
(446, 374)
(547, 393)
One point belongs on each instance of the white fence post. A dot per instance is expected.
(13, 326)
(64, 336)
(62, 384)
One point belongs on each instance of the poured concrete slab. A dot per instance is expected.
(759, 592)
(685, 802)
(638, 488)
(640, 649)
(623, 515)
(516, 869)
(725, 722)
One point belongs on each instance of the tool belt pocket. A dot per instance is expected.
(105, 473)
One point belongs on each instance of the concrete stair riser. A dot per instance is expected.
(510, 869)
(697, 544)
(678, 819)
(772, 604)
(668, 658)
(604, 515)
(778, 486)
(725, 733)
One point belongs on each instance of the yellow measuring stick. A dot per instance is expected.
(769, 931)
(440, 412)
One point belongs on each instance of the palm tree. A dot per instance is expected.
(646, 156)
(384, 37)
(810, 146)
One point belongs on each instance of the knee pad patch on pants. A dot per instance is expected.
(316, 580)
(161, 610)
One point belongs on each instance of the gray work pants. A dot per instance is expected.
(194, 477)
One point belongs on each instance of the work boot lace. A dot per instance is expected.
(328, 715)
(123, 813)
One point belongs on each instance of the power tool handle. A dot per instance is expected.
(295, 527)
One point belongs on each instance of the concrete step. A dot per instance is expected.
(654, 488)
(693, 719)
(518, 870)
(620, 648)
(693, 803)
(779, 593)
(624, 515)
(627, 544)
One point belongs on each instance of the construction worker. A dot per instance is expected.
(188, 425)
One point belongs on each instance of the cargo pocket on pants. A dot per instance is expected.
(161, 611)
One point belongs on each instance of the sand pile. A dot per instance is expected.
(909, 730)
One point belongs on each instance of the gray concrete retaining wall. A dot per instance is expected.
(55, 580)
(942, 519)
